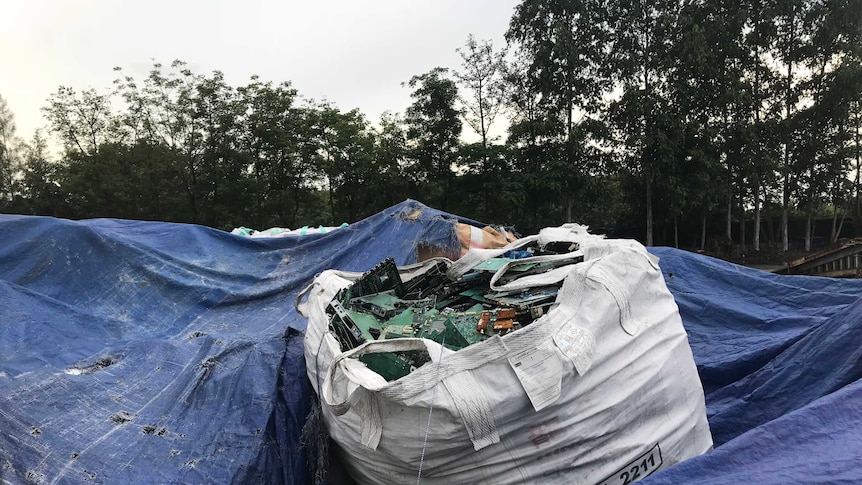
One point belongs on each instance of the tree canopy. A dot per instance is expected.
(697, 123)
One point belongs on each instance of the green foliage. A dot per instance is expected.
(638, 118)
(433, 134)
(7, 153)
(556, 91)
(38, 190)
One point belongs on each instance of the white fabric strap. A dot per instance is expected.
(473, 405)
(358, 373)
(370, 423)
(612, 284)
(427, 376)
(302, 306)
(474, 409)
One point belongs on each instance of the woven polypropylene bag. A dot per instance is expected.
(601, 390)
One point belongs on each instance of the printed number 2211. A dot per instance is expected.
(634, 473)
(638, 468)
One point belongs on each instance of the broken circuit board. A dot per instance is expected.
(456, 314)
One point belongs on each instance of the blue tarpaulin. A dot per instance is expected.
(780, 359)
(150, 352)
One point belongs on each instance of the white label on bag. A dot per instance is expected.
(639, 468)
(540, 372)
(578, 344)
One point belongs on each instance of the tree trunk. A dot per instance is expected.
(446, 188)
(703, 232)
(742, 247)
(645, 152)
(191, 189)
(808, 232)
(482, 121)
(297, 197)
(756, 235)
(675, 231)
(833, 234)
(728, 232)
(649, 226)
(856, 216)
(836, 232)
(331, 199)
(785, 199)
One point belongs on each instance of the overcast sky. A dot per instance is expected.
(355, 53)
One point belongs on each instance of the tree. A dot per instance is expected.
(83, 121)
(391, 158)
(271, 139)
(39, 190)
(788, 48)
(481, 76)
(345, 145)
(531, 144)
(218, 113)
(562, 45)
(433, 131)
(843, 100)
(639, 62)
(825, 152)
(705, 83)
(161, 112)
(8, 148)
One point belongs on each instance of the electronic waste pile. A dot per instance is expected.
(455, 314)
(560, 358)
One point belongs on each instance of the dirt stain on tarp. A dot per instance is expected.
(98, 365)
(36, 271)
(150, 429)
(122, 417)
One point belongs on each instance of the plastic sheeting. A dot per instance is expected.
(142, 352)
(780, 358)
(164, 353)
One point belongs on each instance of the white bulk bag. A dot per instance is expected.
(602, 389)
